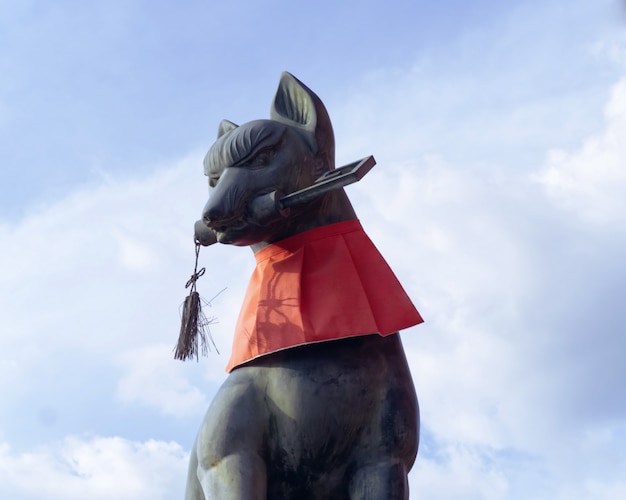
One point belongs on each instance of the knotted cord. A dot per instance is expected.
(194, 327)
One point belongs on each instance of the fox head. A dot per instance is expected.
(284, 154)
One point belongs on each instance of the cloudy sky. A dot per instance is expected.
(499, 199)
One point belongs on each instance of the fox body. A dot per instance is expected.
(327, 420)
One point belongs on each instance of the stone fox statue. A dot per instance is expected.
(319, 402)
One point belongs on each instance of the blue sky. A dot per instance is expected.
(498, 199)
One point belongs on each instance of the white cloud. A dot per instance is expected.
(150, 379)
(135, 255)
(452, 471)
(91, 289)
(95, 468)
(459, 472)
(591, 181)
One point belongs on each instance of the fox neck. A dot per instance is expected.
(331, 208)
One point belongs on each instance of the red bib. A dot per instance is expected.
(324, 284)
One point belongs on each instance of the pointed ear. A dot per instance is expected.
(225, 127)
(297, 105)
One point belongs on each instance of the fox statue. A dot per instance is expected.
(319, 402)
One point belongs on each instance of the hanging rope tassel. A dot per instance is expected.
(194, 327)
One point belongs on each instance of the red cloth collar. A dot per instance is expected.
(324, 284)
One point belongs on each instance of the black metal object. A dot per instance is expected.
(333, 179)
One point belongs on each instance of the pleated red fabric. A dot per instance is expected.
(324, 284)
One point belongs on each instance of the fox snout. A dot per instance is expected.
(219, 215)
(232, 210)
(227, 200)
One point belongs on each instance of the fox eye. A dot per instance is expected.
(262, 158)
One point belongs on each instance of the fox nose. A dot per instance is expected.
(213, 216)
(216, 214)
